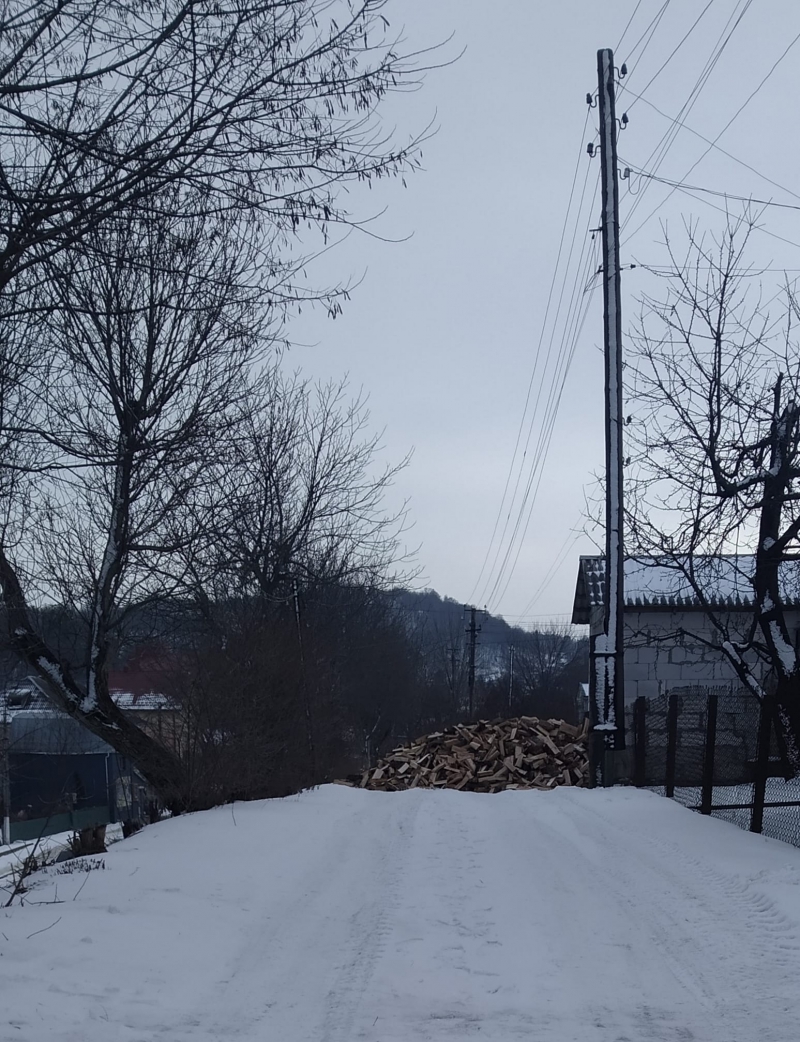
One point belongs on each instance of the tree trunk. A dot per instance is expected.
(787, 698)
(159, 765)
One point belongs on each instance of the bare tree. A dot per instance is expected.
(151, 330)
(299, 498)
(259, 107)
(716, 455)
(547, 665)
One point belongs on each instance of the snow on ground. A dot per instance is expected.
(348, 916)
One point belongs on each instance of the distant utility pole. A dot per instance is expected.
(608, 646)
(510, 675)
(472, 631)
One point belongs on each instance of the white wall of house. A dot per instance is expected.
(659, 658)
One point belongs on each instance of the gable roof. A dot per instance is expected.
(651, 584)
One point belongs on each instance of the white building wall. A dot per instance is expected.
(659, 658)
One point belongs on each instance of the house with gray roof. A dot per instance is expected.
(671, 646)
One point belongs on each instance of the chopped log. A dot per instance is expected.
(488, 756)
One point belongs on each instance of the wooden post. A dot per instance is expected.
(640, 742)
(672, 744)
(708, 759)
(762, 765)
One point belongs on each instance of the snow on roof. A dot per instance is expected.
(150, 701)
(651, 584)
(30, 698)
(26, 697)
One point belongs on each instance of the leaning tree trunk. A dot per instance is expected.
(97, 711)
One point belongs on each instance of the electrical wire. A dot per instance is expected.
(628, 25)
(547, 437)
(558, 561)
(536, 409)
(712, 191)
(572, 333)
(503, 564)
(496, 573)
(538, 354)
(708, 141)
(651, 29)
(675, 50)
(551, 291)
(735, 116)
(722, 210)
(659, 153)
(507, 566)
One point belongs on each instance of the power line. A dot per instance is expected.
(713, 191)
(651, 28)
(543, 422)
(578, 329)
(489, 593)
(572, 334)
(722, 210)
(735, 116)
(563, 272)
(536, 357)
(555, 567)
(659, 269)
(575, 295)
(628, 25)
(659, 153)
(682, 41)
(713, 144)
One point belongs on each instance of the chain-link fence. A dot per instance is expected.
(721, 752)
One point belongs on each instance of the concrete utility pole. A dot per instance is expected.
(608, 653)
(472, 631)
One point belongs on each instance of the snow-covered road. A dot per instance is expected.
(341, 916)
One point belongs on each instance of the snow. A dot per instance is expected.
(13, 855)
(785, 651)
(151, 701)
(341, 915)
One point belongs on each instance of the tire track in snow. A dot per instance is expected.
(738, 949)
(369, 927)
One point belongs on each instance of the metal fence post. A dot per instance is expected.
(672, 744)
(708, 759)
(762, 765)
(640, 742)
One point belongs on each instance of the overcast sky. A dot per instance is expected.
(445, 331)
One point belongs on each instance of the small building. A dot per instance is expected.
(671, 645)
(61, 776)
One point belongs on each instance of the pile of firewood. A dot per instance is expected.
(487, 756)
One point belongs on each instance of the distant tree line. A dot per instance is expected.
(319, 679)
